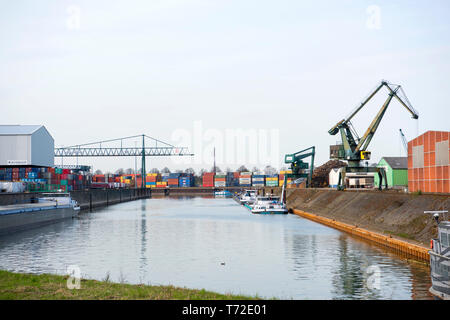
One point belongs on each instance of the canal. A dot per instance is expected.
(218, 245)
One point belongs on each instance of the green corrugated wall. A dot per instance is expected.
(395, 177)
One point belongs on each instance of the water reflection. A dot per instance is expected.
(349, 279)
(214, 244)
(143, 259)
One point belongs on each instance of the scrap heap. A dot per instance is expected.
(320, 174)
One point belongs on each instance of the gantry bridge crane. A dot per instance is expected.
(353, 148)
(95, 149)
(298, 167)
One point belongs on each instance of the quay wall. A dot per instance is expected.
(397, 215)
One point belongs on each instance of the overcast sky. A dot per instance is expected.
(95, 70)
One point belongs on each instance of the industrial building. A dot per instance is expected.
(396, 169)
(429, 162)
(26, 145)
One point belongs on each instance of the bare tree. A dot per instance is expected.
(98, 171)
(120, 171)
(201, 172)
(178, 171)
(255, 169)
(154, 170)
(242, 169)
(269, 170)
(165, 170)
(217, 169)
(129, 171)
(228, 169)
(190, 171)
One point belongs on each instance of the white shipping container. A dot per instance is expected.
(333, 177)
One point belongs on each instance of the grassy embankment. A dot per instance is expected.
(20, 286)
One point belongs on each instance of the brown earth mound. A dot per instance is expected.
(320, 174)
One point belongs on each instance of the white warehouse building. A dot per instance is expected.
(26, 145)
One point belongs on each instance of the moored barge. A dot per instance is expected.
(49, 208)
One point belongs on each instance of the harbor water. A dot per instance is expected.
(218, 245)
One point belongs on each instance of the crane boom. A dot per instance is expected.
(298, 166)
(404, 141)
(354, 149)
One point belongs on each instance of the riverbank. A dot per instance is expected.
(20, 286)
(394, 214)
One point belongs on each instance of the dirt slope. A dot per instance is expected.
(398, 214)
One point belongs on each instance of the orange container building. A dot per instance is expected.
(429, 162)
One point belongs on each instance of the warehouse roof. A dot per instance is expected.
(18, 129)
(397, 162)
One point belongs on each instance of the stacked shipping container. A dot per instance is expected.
(258, 180)
(208, 179)
(281, 177)
(272, 180)
(429, 162)
(245, 179)
(173, 179)
(46, 178)
(233, 179)
(186, 180)
(220, 180)
(151, 179)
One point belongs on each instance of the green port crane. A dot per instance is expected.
(354, 149)
(298, 167)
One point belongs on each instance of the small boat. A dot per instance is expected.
(222, 194)
(248, 197)
(440, 258)
(269, 205)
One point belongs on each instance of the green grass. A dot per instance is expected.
(20, 286)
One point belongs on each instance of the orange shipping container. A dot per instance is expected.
(429, 162)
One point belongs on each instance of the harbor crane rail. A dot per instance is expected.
(353, 148)
(95, 149)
